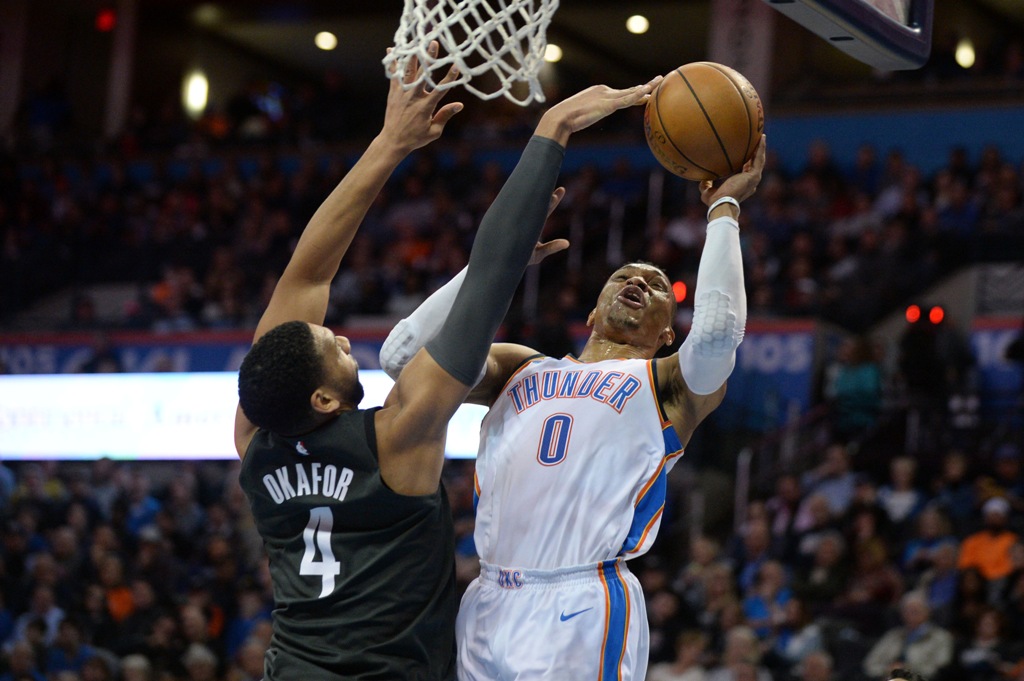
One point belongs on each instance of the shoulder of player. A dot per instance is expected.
(510, 356)
(503, 361)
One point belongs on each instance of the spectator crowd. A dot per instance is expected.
(203, 236)
(145, 571)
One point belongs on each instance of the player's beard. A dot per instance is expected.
(621, 318)
(350, 390)
(355, 393)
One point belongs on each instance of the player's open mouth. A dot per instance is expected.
(632, 296)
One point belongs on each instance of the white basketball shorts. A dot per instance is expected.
(585, 623)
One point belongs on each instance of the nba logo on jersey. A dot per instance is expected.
(510, 579)
(301, 448)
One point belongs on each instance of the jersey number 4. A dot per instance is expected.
(317, 535)
(554, 439)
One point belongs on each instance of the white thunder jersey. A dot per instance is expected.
(572, 464)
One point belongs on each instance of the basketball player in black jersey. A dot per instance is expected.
(348, 501)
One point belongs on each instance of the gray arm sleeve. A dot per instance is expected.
(502, 249)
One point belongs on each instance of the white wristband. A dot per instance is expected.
(719, 202)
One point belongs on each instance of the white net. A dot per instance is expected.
(496, 44)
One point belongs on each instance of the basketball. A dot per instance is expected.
(703, 121)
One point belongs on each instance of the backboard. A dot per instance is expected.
(891, 35)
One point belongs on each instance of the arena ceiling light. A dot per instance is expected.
(637, 24)
(965, 53)
(195, 91)
(326, 40)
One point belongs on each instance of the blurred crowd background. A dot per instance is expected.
(136, 571)
(200, 216)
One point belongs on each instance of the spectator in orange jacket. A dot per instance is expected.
(988, 550)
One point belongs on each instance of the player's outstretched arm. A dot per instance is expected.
(411, 120)
(412, 425)
(412, 333)
(696, 375)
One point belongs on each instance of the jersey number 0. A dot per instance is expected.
(554, 439)
(317, 535)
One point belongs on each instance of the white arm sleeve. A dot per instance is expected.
(708, 354)
(419, 328)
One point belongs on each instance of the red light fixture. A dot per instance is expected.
(106, 19)
(936, 315)
(679, 289)
(913, 314)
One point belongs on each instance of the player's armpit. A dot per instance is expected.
(684, 408)
(413, 425)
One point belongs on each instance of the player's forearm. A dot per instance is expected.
(334, 224)
(501, 252)
(708, 354)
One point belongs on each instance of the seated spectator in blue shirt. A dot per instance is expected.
(753, 549)
(832, 479)
(141, 507)
(939, 583)
(933, 530)
(68, 652)
(797, 637)
(765, 602)
(954, 491)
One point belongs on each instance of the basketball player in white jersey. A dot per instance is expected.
(571, 472)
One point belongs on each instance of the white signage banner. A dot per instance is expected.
(152, 416)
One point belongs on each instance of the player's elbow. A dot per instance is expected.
(705, 375)
(719, 323)
(390, 364)
(398, 349)
(708, 355)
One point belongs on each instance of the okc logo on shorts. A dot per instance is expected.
(510, 579)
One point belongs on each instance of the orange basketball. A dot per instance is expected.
(704, 121)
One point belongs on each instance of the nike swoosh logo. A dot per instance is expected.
(565, 617)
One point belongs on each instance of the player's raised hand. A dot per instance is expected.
(743, 184)
(412, 119)
(589, 106)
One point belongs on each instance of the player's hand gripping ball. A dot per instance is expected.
(704, 121)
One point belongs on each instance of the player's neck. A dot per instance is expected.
(599, 349)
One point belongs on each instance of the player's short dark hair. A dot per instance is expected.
(277, 377)
(905, 674)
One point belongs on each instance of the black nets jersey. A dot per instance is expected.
(364, 578)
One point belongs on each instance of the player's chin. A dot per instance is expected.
(625, 318)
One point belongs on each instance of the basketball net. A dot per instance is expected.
(505, 38)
